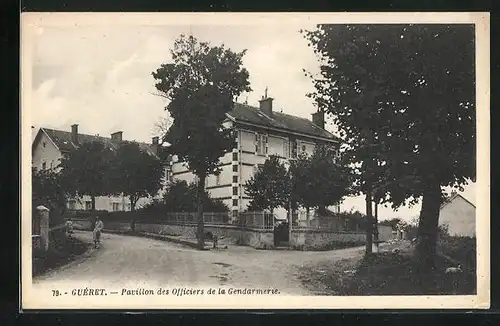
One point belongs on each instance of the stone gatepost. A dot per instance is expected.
(42, 213)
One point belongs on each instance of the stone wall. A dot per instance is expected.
(316, 239)
(261, 239)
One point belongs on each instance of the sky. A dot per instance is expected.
(100, 78)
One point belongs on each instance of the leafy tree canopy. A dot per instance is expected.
(87, 170)
(269, 186)
(402, 96)
(202, 82)
(136, 173)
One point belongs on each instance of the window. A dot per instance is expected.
(128, 206)
(235, 168)
(235, 178)
(286, 148)
(235, 156)
(44, 165)
(217, 179)
(235, 202)
(293, 148)
(235, 190)
(44, 144)
(168, 176)
(51, 164)
(72, 204)
(88, 205)
(115, 206)
(261, 144)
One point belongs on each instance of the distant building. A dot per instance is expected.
(261, 132)
(50, 145)
(459, 215)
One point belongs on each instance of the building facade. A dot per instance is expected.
(459, 215)
(50, 145)
(260, 133)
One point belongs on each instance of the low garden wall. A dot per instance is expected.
(256, 238)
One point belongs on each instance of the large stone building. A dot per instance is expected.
(261, 132)
(50, 145)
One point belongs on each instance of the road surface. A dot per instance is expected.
(127, 261)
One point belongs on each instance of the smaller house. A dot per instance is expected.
(50, 145)
(459, 215)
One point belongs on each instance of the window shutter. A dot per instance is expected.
(256, 143)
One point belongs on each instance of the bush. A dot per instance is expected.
(182, 197)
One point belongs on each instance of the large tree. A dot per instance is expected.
(136, 173)
(268, 188)
(201, 83)
(319, 180)
(408, 90)
(87, 171)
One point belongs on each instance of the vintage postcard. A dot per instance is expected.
(255, 161)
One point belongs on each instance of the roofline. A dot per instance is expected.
(455, 196)
(108, 138)
(42, 130)
(283, 130)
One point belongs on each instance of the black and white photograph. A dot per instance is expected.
(225, 160)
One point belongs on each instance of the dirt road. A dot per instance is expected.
(126, 260)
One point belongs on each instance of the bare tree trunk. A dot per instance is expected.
(428, 226)
(199, 214)
(369, 221)
(133, 201)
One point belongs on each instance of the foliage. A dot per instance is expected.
(269, 187)
(136, 173)
(47, 190)
(87, 171)
(181, 197)
(202, 82)
(319, 180)
(404, 101)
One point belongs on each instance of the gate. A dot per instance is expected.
(281, 235)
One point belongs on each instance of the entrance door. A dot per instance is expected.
(281, 234)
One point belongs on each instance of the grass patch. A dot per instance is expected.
(388, 274)
(61, 253)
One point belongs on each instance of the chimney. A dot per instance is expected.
(318, 119)
(74, 133)
(117, 136)
(266, 106)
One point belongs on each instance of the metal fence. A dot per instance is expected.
(257, 220)
(189, 218)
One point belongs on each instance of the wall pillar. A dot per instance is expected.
(42, 213)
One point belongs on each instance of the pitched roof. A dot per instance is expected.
(453, 197)
(246, 113)
(62, 140)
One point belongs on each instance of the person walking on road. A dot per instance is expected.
(99, 225)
